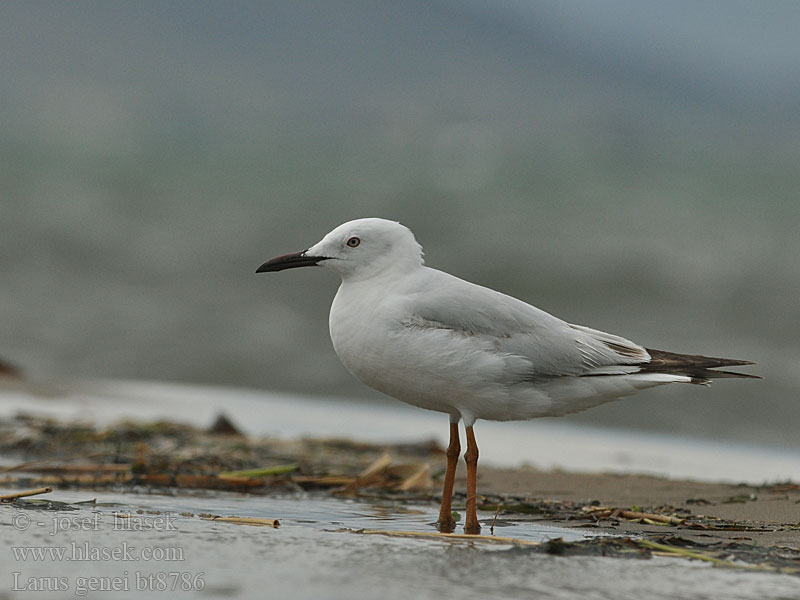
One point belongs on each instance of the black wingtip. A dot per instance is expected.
(701, 368)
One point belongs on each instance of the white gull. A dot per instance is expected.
(438, 342)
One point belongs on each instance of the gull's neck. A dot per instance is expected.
(382, 274)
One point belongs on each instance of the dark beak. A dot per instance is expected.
(289, 261)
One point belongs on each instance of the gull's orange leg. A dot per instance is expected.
(446, 523)
(471, 457)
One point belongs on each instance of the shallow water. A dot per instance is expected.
(310, 556)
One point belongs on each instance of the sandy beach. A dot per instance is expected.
(165, 457)
(136, 452)
(768, 515)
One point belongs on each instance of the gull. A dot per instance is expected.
(441, 343)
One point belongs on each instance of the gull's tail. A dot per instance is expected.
(700, 368)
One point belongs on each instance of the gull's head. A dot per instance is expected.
(358, 249)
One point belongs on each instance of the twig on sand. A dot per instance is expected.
(12, 497)
(606, 511)
(418, 479)
(492, 539)
(494, 519)
(384, 475)
(244, 521)
(373, 472)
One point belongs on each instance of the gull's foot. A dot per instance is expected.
(448, 526)
(472, 528)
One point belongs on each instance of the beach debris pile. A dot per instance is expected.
(44, 452)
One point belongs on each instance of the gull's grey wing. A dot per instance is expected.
(554, 348)
(509, 326)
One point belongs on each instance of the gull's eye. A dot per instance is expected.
(353, 242)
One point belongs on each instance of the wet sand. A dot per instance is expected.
(775, 508)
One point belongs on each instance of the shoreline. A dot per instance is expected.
(163, 457)
(147, 440)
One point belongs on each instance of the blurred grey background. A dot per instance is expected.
(632, 166)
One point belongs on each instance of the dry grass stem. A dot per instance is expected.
(245, 521)
(14, 496)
